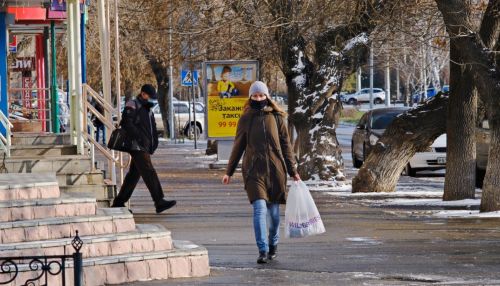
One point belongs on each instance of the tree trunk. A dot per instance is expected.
(313, 88)
(161, 75)
(412, 132)
(490, 200)
(461, 142)
(479, 51)
(129, 90)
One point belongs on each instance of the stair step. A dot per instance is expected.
(64, 206)
(41, 164)
(145, 238)
(19, 138)
(95, 177)
(117, 269)
(15, 186)
(42, 150)
(101, 192)
(177, 263)
(110, 220)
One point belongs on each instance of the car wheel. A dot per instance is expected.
(351, 101)
(480, 177)
(409, 171)
(355, 162)
(189, 132)
(377, 101)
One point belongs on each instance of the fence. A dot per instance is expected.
(43, 266)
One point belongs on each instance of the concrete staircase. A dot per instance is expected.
(36, 153)
(36, 218)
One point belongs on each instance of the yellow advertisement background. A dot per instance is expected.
(223, 115)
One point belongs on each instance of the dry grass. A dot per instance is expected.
(351, 115)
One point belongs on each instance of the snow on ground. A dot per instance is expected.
(329, 186)
(364, 240)
(466, 214)
(430, 202)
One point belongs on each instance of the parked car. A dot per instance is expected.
(372, 126)
(434, 158)
(342, 95)
(417, 96)
(482, 150)
(431, 92)
(364, 96)
(181, 117)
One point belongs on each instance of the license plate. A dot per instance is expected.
(441, 160)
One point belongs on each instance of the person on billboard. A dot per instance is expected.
(225, 86)
(262, 136)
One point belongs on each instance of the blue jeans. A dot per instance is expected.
(98, 131)
(261, 211)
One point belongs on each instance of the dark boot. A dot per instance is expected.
(273, 252)
(164, 205)
(117, 205)
(262, 258)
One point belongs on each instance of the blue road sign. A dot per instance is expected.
(187, 78)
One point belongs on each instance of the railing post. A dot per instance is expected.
(113, 167)
(9, 142)
(78, 260)
(92, 147)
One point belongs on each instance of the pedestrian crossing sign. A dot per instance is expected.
(188, 77)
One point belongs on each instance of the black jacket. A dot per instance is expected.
(139, 122)
(100, 109)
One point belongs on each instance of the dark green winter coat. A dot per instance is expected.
(263, 137)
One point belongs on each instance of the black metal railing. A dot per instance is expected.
(45, 266)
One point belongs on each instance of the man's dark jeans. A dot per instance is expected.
(141, 166)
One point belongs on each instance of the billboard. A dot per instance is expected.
(226, 85)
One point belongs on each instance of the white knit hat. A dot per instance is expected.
(258, 87)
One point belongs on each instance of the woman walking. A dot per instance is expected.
(263, 136)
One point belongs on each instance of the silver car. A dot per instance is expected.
(181, 117)
(370, 128)
(364, 96)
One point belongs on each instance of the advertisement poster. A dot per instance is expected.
(27, 83)
(226, 85)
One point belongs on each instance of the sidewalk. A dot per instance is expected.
(364, 245)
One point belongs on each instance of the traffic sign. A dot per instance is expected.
(187, 78)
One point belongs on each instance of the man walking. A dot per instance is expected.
(138, 120)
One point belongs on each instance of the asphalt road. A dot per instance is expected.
(363, 245)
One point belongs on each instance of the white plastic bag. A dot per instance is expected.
(301, 215)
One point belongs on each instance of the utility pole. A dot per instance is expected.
(424, 66)
(398, 87)
(191, 67)
(118, 80)
(170, 78)
(371, 76)
(387, 83)
(358, 80)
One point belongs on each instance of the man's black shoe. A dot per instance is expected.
(273, 252)
(117, 205)
(262, 258)
(121, 206)
(164, 205)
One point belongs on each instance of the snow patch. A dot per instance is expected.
(300, 64)
(359, 39)
(364, 240)
(432, 202)
(397, 194)
(300, 109)
(299, 80)
(466, 214)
